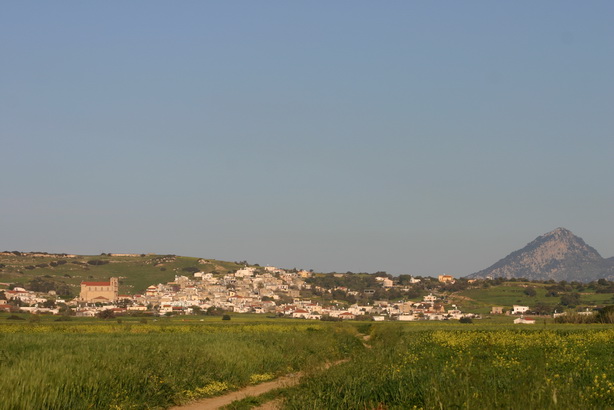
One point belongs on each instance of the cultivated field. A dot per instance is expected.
(156, 365)
(132, 365)
(443, 367)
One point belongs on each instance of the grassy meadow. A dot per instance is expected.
(486, 367)
(99, 364)
(480, 300)
(107, 365)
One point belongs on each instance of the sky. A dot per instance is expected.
(409, 137)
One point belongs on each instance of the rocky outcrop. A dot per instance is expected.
(558, 255)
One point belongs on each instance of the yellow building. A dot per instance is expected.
(446, 278)
(100, 291)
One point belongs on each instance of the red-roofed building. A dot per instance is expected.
(99, 291)
(300, 314)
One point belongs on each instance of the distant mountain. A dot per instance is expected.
(558, 255)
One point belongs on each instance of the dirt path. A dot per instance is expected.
(285, 381)
(220, 401)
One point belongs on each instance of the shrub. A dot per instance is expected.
(465, 320)
(575, 318)
(530, 291)
(96, 262)
(106, 314)
(226, 317)
(606, 315)
(570, 300)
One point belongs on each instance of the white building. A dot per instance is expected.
(519, 310)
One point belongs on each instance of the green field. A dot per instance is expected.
(480, 300)
(133, 365)
(426, 367)
(139, 364)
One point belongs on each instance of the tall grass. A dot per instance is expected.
(75, 367)
(472, 369)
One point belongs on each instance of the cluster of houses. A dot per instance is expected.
(274, 291)
(32, 302)
(249, 290)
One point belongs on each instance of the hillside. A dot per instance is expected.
(545, 298)
(136, 272)
(558, 255)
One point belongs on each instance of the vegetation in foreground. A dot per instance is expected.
(139, 366)
(133, 365)
(567, 367)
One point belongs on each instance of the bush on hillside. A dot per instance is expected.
(530, 291)
(97, 262)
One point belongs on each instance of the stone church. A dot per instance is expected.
(103, 292)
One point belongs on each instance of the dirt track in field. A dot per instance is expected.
(288, 380)
(249, 391)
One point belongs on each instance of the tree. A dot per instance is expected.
(214, 311)
(570, 299)
(606, 315)
(106, 314)
(542, 309)
(530, 291)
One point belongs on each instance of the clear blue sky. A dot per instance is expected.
(411, 137)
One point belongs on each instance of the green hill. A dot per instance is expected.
(508, 294)
(136, 272)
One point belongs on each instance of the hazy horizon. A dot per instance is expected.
(411, 138)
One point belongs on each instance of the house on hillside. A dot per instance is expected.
(519, 310)
(496, 310)
(446, 279)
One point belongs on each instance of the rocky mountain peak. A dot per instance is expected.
(558, 255)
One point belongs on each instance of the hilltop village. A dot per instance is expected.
(267, 290)
(274, 291)
(86, 286)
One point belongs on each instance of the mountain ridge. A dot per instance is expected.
(557, 255)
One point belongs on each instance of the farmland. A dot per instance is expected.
(442, 367)
(157, 364)
(153, 365)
